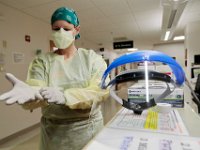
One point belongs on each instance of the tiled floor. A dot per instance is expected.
(28, 141)
(30, 144)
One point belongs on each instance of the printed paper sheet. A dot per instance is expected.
(170, 123)
(112, 139)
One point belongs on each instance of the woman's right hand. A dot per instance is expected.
(20, 93)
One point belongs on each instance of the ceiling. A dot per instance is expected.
(105, 21)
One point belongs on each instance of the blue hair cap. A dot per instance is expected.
(66, 14)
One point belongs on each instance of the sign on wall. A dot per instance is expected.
(123, 45)
(18, 57)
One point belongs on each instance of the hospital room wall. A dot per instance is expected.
(192, 44)
(13, 27)
(176, 50)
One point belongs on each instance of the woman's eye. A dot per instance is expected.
(56, 29)
(66, 29)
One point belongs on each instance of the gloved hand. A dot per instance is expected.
(20, 93)
(53, 95)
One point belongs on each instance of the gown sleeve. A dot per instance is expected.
(37, 78)
(83, 98)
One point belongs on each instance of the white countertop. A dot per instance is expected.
(116, 138)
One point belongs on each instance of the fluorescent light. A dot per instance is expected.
(132, 49)
(166, 35)
(179, 37)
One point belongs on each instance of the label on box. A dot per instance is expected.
(137, 94)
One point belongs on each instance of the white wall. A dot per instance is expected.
(192, 32)
(82, 43)
(13, 29)
(174, 50)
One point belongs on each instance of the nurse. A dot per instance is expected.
(65, 84)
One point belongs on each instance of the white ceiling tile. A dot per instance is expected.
(111, 9)
(20, 4)
(194, 4)
(97, 24)
(79, 5)
(149, 15)
(143, 5)
(45, 11)
(133, 36)
(187, 18)
(107, 28)
(99, 37)
(124, 18)
(190, 14)
(128, 27)
(106, 2)
(90, 14)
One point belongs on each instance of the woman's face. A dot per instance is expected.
(66, 26)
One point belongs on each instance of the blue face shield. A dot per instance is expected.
(143, 56)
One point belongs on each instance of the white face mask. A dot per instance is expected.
(62, 39)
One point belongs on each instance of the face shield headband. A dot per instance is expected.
(143, 56)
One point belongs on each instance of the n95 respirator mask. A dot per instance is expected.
(62, 39)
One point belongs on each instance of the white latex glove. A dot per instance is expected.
(53, 95)
(20, 93)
